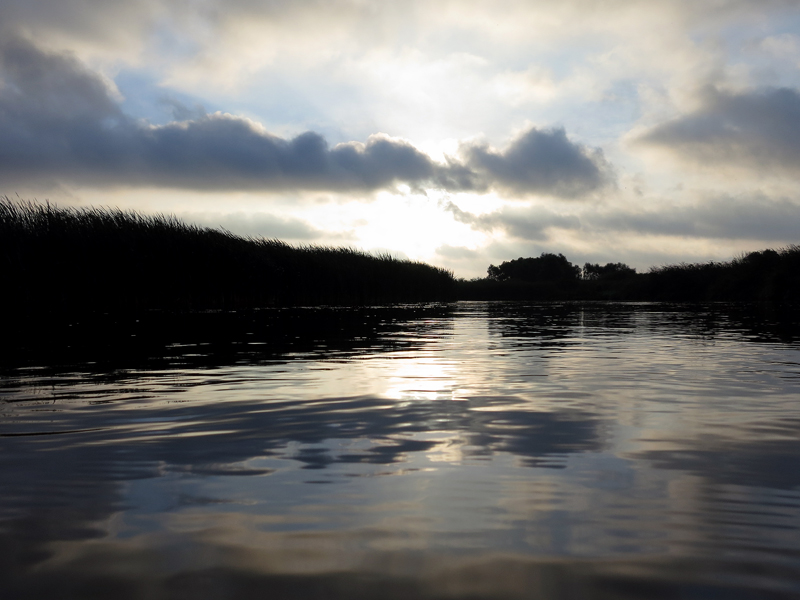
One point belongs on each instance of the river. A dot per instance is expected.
(468, 450)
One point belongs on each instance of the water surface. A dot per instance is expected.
(472, 450)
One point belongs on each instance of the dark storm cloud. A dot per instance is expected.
(757, 129)
(61, 121)
(541, 161)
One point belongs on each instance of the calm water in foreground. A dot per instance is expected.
(473, 450)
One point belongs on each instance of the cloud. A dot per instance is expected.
(62, 121)
(98, 16)
(180, 111)
(83, 19)
(748, 217)
(264, 225)
(529, 223)
(457, 252)
(541, 162)
(756, 130)
(224, 151)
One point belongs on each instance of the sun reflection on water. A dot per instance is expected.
(425, 377)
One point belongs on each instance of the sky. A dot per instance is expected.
(460, 133)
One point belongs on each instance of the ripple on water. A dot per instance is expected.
(472, 450)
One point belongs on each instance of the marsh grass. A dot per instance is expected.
(57, 258)
(772, 275)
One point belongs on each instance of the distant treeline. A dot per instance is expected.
(772, 275)
(90, 258)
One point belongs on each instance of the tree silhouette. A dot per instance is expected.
(547, 268)
(594, 272)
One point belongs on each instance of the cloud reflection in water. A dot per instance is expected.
(576, 451)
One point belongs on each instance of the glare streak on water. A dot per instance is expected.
(582, 451)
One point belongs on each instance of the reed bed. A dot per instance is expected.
(772, 275)
(57, 259)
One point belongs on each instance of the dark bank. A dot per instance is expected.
(767, 275)
(60, 260)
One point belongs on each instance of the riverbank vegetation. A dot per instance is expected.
(767, 275)
(63, 259)
(66, 259)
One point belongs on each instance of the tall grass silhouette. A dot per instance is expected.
(762, 275)
(56, 258)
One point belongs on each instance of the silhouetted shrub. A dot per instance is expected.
(547, 268)
(594, 272)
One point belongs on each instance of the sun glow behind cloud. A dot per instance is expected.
(412, 223)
